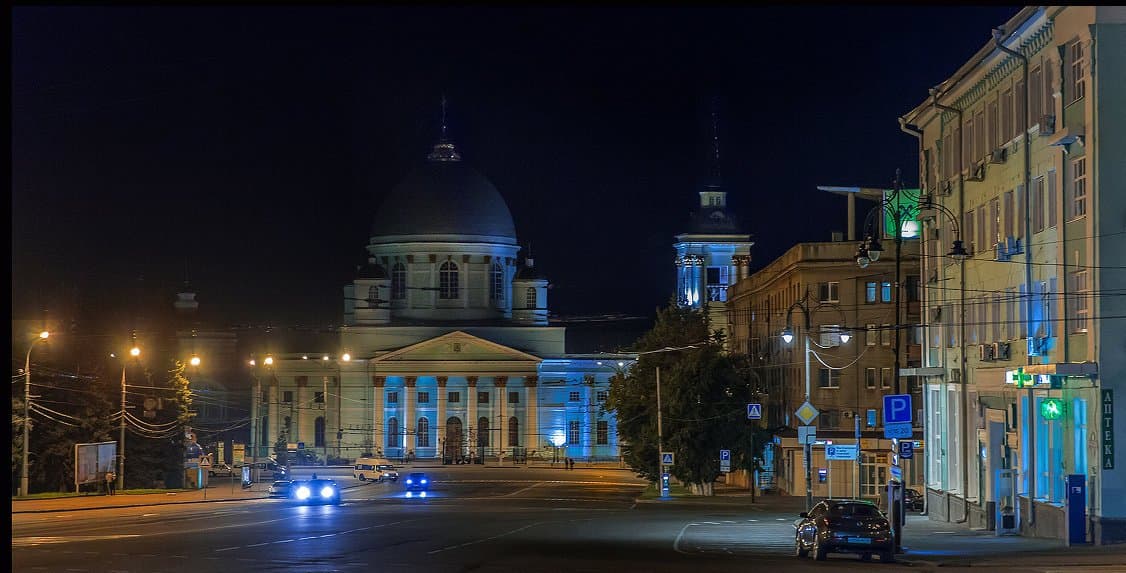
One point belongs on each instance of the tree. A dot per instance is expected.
(703, 397)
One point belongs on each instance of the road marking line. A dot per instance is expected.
(217, 550)
(537, 484)
(498, 536)
(676, 542)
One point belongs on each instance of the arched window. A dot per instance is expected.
(447, 280)
(423, 438)
(373, 295)
(496, 284)
(513, 431)
(483, 432)
(392, 433)
(531, 297)
(398, 282)
(319, 432)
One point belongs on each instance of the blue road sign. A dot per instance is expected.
(754, 411)
(301, 445)
(897, 408)
(666, 458)
(725, 455)
(897, 473)
(906, 449)
(897, 430)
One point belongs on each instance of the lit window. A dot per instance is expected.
(496, 284)
(870, 292)
(885, 291)
(530, 297)
(573, 432)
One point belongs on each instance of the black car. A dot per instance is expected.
(417, 481)
(315, 491)
(912, 500)
(844, 526)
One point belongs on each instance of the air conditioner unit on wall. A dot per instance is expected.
(977, 172)
(998, 156)
(1047, 124)
(1000, 251)
(1037, 345)
(1013, 246)
(985, 352)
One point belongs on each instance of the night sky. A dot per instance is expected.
(249, 149)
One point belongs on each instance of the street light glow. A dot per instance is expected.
(269, 361)
(135, 351)
(194, 361)
(346, 357)
(44, 334)
(787, 335)
(253, 362)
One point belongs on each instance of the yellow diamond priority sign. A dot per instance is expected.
(806, 413)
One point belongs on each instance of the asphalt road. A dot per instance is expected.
(473, 519)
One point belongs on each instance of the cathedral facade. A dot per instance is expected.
(446, 351)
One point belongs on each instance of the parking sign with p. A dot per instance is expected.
(897, 408)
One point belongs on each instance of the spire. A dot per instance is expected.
(444, 150)
(716, 174)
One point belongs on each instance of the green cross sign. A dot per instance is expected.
(1021, 378)
(1051, 408)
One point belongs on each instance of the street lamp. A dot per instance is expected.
(135, 352)
(788, 336)
(870, 249)
(27, 408)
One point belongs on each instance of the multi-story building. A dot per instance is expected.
(1023, 152)
(820, 284)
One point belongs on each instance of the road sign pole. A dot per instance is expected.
(856, 479)
(808, 477)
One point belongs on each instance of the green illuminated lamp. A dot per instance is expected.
(1022, 379)
(1051, 408)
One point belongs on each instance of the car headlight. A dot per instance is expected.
(303, 492)
(421, 494)
(422, 481)
(409, 481)
(327, 491)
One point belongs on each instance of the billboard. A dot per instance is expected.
(92, 461)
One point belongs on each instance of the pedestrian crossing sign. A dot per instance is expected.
(666, 458)
(754, 411)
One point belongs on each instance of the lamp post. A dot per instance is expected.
(135, 352)
(660, 433)
(27, 409)
(788, 337)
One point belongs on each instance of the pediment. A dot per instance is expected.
(457, 346)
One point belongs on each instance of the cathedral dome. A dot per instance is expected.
(445, 199)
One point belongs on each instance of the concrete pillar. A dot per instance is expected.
(439, 424)
(501, 384)
(379, 415)
(591, 417)
(471, 412)
(532, 440)
(409, 421)
(300, 419)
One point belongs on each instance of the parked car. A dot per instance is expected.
(280, 488)
(269, 470)
(315, 491)
(221, 470)
(844, 526)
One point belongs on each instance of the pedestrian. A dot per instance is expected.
(111, 483)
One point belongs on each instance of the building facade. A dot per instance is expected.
(820, 284)
(446, 351)
(1022, 150)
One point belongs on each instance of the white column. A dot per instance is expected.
(532, 440)
(300, 433)
(379, 415)
(439, 424)
(409, 422)
(501, 384)
(274, 423)
(591, 420)
(471, 413)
